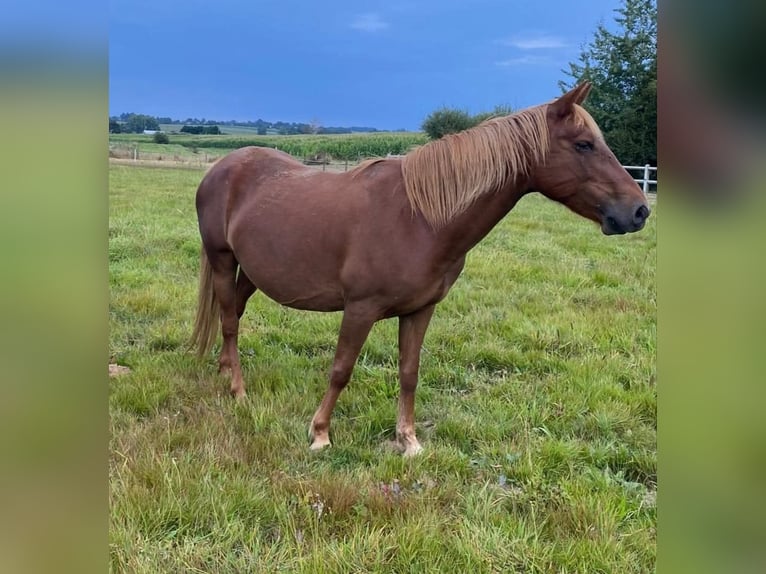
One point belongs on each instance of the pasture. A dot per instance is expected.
(536, 409)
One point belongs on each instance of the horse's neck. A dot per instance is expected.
(461, 234)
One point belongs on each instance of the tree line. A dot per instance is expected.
(137, 123)
(132, 124)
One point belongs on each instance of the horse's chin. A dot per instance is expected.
(612, 226)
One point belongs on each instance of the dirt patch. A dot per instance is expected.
(116, 370)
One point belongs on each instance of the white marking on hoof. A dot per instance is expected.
(412, 450)
(318, 439)
(407, 444)
(319, 444)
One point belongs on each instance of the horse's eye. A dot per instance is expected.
(584, 146)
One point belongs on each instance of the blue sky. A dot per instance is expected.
(384, 64)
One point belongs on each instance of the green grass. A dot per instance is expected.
(536, 408)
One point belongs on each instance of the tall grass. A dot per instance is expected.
(536, 408)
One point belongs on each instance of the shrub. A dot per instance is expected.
(447, 121)
(161, 138)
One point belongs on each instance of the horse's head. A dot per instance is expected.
(581, 171)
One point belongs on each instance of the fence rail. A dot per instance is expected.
(645, 181)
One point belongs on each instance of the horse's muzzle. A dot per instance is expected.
(619, 224)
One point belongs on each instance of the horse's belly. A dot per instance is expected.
(306, 299)
(295, 283)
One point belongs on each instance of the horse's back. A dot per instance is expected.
(251, 163)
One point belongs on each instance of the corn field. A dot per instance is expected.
(338, 147)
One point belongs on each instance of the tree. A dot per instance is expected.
(315, 125)
(623, 69)
(137, 123)
(446, 121)
(449, 121)
(114, 126)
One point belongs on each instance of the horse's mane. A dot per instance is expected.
(444, 177)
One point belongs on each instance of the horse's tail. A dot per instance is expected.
(208, 310)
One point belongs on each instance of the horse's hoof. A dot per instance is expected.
(406, 449)
(318, 438)
(318, 444)
(238, 394)
(412, 450)
(408, 446)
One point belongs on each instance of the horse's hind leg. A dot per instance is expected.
(245, 289)
(226, 289)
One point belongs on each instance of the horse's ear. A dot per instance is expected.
(562, 106)
(584, 88)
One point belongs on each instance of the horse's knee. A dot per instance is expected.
(339, 376)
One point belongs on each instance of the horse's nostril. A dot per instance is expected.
(641, 214)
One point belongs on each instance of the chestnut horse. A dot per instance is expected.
(389, 238)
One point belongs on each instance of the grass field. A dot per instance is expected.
(536, 408)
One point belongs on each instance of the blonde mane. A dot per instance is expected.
(444, 177)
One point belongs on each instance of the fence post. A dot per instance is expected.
(646, 179)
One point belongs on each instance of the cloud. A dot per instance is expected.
(535, 42)
(370, 22)
(524, 61)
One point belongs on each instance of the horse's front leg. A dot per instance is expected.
(412, 330)
(354, 328)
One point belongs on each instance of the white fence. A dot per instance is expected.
(646, 172)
